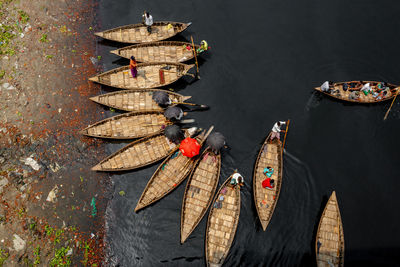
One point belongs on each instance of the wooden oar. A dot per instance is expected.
(284, 139)
(195, 57)
(168, 123)
(189, 104)
(394, 98)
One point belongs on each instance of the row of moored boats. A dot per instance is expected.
(152, 118)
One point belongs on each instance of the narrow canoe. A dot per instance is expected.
(136, 99)
(329, 244)
(140, 153)
(265, 200)
(222, 224)
(129, 125)
(171, 173)
(199, 191)
(137, 33)
(150, 75)
(339, 93)
(164, 51)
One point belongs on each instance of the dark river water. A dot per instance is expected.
(265, 59)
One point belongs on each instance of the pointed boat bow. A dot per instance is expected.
(94, 79)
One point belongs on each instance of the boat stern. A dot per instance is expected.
(97, 168)
(138, 207)
(318, 89)
(95, 99)
(100, 34)
(192, 130)
(188, 67)
(115, 52)
(94, 79)
(184, 98)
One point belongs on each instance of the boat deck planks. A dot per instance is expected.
(164, 51)
(330, 236)
(129, 125)
(136, 99)
(137, 33)
(265, 199)
(199, 191)
(222, 224)
(171, 173)
(148, 75)
(139, 153)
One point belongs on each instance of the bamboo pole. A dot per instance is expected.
(195, 57)
(387, 112)
(287, 127)
(189, 104)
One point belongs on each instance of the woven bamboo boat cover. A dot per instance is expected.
(148, 76)
(138, 154)
(135, 100)
(137, 33)
(167, 177)
(165, 51)
(265, 199)
(222, 224)
(129, 125)
(199, 191)
(330, 237)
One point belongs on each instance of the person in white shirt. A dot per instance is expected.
(237, 178)
(148, 21)
(276, 130)
(325, 87)
(366, 89)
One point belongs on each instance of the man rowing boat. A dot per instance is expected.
(276, 130)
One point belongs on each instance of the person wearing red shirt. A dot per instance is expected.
(268, 183)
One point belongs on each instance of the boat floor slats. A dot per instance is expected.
(135, 100)
(200, 190)
(266, 198)
(330, 238)
(222, 224)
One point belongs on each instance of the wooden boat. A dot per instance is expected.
(164, 51)
(171, 173)
(329, 244)
(265, 200)
(136, 99)
(338, 92)
(129, 125)
(137, 33)
(150, 75)
(140, 153)
(199, 191)
(222, 224)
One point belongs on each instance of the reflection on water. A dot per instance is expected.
(265, 59)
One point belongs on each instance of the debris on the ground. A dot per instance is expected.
(33, 163)
(52, 197)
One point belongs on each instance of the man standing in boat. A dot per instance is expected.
(148, 21)
(276, 130)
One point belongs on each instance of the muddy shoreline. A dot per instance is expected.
(52, 205)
